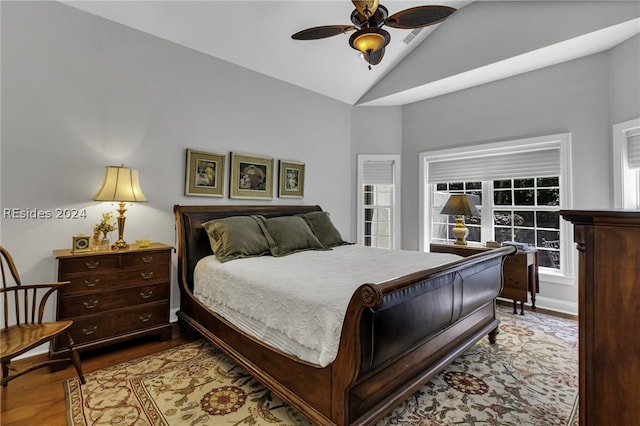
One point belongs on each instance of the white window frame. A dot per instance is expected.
(626, 181)
(396, 242)
(562, 141)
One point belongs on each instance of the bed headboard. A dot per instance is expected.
(193, 243)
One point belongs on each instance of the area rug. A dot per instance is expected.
(528, 378)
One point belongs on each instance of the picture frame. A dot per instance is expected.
(80, 243)
(205, 174)
(291, 179)
(251, 176)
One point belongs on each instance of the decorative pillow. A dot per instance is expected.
(288, 234)
(235, 237)
(322, 227)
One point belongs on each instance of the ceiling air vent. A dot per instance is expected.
(412, 35)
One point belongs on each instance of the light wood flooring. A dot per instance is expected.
(37, 398)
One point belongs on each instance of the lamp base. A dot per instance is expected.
(460, 231)
(121, 243)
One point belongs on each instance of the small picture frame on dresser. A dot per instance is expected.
(80, 243)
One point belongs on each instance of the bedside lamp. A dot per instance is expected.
(121, 184)
(460, 205)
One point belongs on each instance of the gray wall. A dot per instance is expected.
(374, 130)
(80, 93)
(583, 97)
(624, 81)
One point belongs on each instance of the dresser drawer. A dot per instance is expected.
(116, 279)
(94, 264)
(91, 303)
(100, 326)
(146, 258)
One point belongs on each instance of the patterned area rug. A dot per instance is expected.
(528, 378)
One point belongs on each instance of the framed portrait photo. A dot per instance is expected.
(204, 174)
(251, 176)
(80, 243)
(291, 181)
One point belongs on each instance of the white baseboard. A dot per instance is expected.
(556, 305)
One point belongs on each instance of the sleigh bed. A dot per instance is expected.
(395, 335)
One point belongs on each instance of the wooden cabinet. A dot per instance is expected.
(609, 315)
(520, 271)
(114, 295)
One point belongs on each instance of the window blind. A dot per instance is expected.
(633, 148)
(538, 163)
(378, 172)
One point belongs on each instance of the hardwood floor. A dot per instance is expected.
(37, 398)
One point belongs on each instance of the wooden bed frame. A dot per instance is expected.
(396, 335)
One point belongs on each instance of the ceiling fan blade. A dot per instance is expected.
(366, 7)
(420, 16)
(374, 58)
(325, 31)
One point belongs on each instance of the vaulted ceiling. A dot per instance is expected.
(481, 42)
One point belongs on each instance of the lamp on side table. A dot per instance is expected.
(460, 205)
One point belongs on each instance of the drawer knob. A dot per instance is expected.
(145, 317)
(92, 282)
(89, 330)
(147, 259)
(146, 275)
(92, 264)
(90, 304)
(146, 293)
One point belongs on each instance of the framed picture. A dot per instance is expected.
(291, 179)
(251, 176)
(80, 243)
(205, 174)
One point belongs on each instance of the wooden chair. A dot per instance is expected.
(28, 330)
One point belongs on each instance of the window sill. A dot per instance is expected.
(556, 278)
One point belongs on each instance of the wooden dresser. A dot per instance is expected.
(608, 245)
(520, 271)
(114, 295)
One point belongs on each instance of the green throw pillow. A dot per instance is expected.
(321, 225)
(236, 237)
(288, 234)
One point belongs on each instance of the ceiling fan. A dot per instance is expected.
(368, 18)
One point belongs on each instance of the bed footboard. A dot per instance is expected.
(420, 322)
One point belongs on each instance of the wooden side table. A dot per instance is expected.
(520, 271)
(114, 295)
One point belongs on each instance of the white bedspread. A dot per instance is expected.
(297, 303)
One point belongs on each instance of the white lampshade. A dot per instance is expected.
(120, 184)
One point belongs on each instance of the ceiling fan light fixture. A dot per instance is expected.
(368, 40)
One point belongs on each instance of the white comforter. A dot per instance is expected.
(297, 303)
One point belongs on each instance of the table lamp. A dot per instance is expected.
(121, 184)
(460, 205)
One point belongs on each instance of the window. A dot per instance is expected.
(520, 187)
(626, 164)
(524, 210)
(442, 224)
(378, 201)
